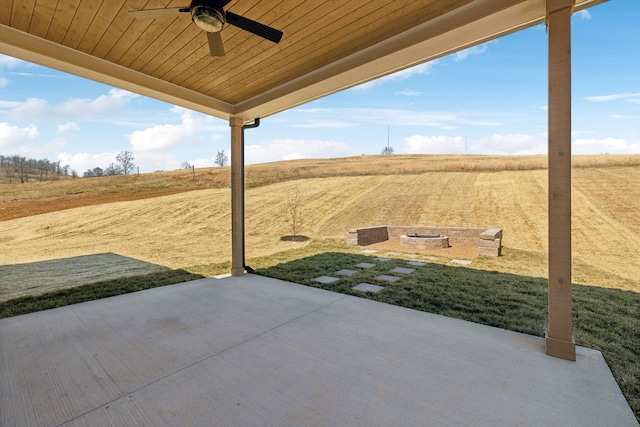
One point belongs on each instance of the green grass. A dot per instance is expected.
(93, 291)
(604, 319)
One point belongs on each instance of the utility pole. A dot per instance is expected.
(388, 131)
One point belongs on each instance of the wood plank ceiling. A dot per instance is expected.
(317, 35)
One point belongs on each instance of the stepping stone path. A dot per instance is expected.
(325, 279)
(461, 261)
(368, 287)
(387, 278)
(403, 270)
(365, 265)
(417, 263)
(346, 272)
(383, 259)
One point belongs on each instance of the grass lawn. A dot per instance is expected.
(92, 291)
(604, 319)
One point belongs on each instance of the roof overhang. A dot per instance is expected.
(468, 23)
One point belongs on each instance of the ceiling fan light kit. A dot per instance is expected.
(209, 19)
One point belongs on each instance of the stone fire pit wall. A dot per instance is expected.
(488, 241)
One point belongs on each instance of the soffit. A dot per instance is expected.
(328, 45)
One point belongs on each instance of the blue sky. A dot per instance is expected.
(490, 99)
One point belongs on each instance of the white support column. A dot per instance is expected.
(559, 339)
(237, 197)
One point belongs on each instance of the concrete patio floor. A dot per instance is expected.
(256, 351)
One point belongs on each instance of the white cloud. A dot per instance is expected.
(292, 149)
(210, 162)
(425, 144)
(474, 50)
(80, 162)
(608, 145)
(582, 15)
(3, 82)
(69, 126)
(620, 116)
(159, 137)
(630, 96)
(394, 117)
(495, 144)
(8, 104)
(397, 76)
(408, 93)
(511, 143)
(13, 136)
(9, 61)
(322, 124)
(74, 108)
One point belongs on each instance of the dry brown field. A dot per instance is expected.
(174, 220)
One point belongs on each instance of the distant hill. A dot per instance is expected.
(159, 219)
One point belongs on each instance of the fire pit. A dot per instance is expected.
(424, 241)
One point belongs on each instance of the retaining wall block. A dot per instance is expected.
(489, 251)
(497, 243)
(491, 234)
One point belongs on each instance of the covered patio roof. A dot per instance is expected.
(326, 47)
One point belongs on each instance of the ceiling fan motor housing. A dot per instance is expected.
(207, 16)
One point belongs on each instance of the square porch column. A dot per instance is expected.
(558, 337)
(237, 197)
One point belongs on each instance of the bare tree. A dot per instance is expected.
(6, 164)
(21, 167)
(185, 165)
(294, 210)
(113, 169)
(94, 172)
(221, 158)
(124, 160)
(387, 150)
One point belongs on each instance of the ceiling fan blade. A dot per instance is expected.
(215, 44)
(158, 13)
(254, 27)
(222, 3)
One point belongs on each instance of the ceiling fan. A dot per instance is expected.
(210, 16)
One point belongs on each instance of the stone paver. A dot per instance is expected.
(368, 251)
(383, 259)
(461, 261)
(387, 278)
(346, 272)
(417, 263)
(365, 265)
(368, 287)
(325, 279)
(403, 270)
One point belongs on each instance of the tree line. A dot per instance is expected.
(21, 169)
(123, 165)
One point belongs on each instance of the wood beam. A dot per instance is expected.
(559, 340)
(237, 197)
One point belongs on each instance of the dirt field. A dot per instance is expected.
(190, 228)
